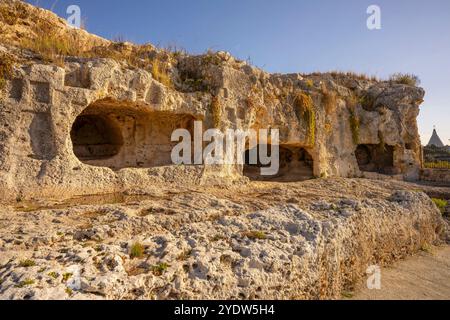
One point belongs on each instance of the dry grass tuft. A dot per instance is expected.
(137, 250)
(405, 78)
(159, 72)
(329, 100)
(255, 235)
(11, 14)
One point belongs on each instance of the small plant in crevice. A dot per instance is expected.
(159, 269)
(304, 108)
(159, 72)
(69, 291)
(27, 263)
(184, 255)
(309, 83)
(255, 235)
(137, 250)
(25, 283)
(66, 276)
(367, 102)
(426, 247)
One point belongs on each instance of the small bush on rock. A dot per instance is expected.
(405, 78)
(137, 250)
(441, 204)
(255, 235)
(27, 263)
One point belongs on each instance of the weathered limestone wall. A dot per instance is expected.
(93, 125)
(43, 102)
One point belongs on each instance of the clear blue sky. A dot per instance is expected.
(295, 36)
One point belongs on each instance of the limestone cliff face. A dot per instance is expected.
(100, 119)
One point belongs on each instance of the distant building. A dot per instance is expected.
(435, 140)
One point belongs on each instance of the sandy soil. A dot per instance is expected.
(425, 276)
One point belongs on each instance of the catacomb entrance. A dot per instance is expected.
(296, 164)
(375, 158)
(107, 134)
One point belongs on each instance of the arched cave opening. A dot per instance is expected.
(95, 137)
(375, 158)
(107, 134)
(296, 164)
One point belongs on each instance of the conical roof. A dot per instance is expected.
(435, 140)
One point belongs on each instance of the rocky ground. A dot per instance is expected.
(306, 240)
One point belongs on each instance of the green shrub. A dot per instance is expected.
(27, 263)
(66, 276)
(137, 250)
(441, 204)
(25, 283)
(254, 235)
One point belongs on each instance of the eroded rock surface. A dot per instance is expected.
(271, 241)
(92, 206)
(99, 119)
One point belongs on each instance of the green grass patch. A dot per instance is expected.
(159, 269)
(255, 235)
(440, 203)
(27, 263)
(137, 250)
(25, 283)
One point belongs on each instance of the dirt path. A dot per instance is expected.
(422, 277)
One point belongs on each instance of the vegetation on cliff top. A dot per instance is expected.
(405, 78)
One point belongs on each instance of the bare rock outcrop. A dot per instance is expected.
(92, 206)
(340, 125)
(313, 240)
